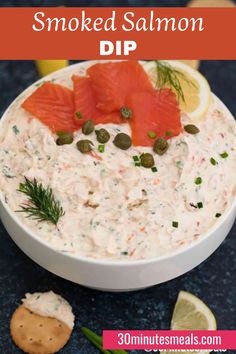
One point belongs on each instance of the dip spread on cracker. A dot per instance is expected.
(42, 324)
(50, 304)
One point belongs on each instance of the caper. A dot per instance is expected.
(147, 160)
(126, 112)
(191, 129)
(102, 135)
(64, 138)
(79, 115)
(160, 146)
(122, 141)
(84, 146)
(87, 127)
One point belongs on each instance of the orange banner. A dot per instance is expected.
(134, 33)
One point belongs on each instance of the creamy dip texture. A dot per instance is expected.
(50, 304)
(113, 209)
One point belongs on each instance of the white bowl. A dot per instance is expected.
(116, 275)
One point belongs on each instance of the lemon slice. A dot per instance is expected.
(194, 64)
(211, 3)
(195, 88)
(46, 67)
(191, 313)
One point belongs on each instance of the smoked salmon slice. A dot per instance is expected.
(53, 105)
(99, 97)
(157, 112)
(112, 82)
(86, 104)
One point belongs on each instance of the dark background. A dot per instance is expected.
(214, 281)
(82, 3)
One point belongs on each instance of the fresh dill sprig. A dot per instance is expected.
(167, 76)
(42, 205)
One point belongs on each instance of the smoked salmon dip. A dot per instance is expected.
(120, 202)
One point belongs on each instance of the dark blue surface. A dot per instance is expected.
(214, 280)
(84, 3)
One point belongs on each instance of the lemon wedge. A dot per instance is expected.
(46, 67)
(196, 90)
(191, 313)
(192, 63)
(211, 3)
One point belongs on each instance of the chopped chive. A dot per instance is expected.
(39, 83)
(213, 161)
(15, 129)
(151, 134)
(224, 155)
(101, 148)
(198, 180)
(126, 112)
(179, 164)
(79, 115)
(137, 164)
(200, 205)
(124, 253)
(218, 215)
(154, 169)
(193, 205)
(168, 133)
(175, 224)
(136, 158)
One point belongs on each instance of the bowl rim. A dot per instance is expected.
(104, 261)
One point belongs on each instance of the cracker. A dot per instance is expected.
(36, 334)
(211, 3)
(193, 63)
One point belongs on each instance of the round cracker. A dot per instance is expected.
(193, 63)
(211, 3)
(35, 334)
